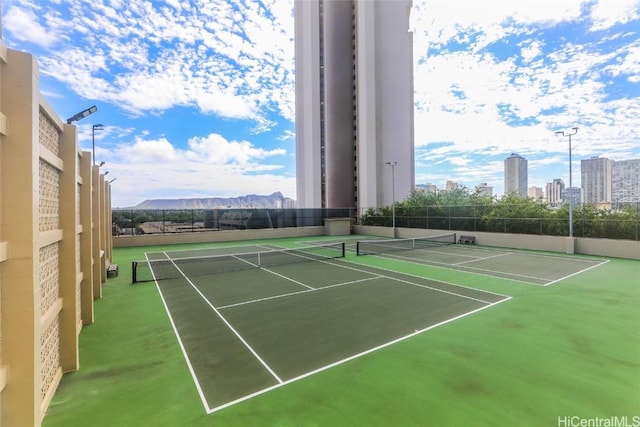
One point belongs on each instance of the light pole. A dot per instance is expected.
(94, 128)
(563, 133)
(393, 194)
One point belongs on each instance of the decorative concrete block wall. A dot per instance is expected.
(53, 239)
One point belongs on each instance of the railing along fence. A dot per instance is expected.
(166, 221)
(621, 221)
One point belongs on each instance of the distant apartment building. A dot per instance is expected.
(515, 175)
(354, 103)
(596, 184)
(485, 190)
(573, 195)
(536, 193)
(428, 188)
(451, 186)
(554, 191)
(625, 181)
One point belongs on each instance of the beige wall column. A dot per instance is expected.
(101, 226)
(19, 184)
(70, 322)
(86, 251)
(109, 223)
(4, 245)
(95, 232)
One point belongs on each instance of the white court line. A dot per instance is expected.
(203, 399)
(482, 259)
(288, 278)
(246, 344)
(441, 290)
(296, 293)
(435, 280)
(347, 359)
(447, 253)
(577, 272)
(431, 263)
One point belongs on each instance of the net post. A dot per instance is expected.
(343, 250)
(358, 248)
(134, 267)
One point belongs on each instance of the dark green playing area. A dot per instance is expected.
(246, 332)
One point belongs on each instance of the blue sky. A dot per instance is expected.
(197, 97)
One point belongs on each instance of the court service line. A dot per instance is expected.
(482, 259)
(203, 398)
(273, 272)
(440, 290)
(442, 281)
(429, 287)
(486, 270)
(296, 293)
(237, 334)
(577, 272)
(352, 357)
(448, 253)
(288, 278)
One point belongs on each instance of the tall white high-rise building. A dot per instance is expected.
(354, 102)
(596, 180)
(515, 175)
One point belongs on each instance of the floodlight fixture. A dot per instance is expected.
(82, 114)
(113, 180)
(101, 164)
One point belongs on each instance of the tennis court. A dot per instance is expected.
(254, 319)
(441, 251)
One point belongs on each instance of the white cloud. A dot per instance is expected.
(24, 26)
(607, 13)
(231, 63)
(216, 149)
(210, 166)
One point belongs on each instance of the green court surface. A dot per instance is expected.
(249, 331)
(450, 335)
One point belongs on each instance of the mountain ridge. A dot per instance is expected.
(273, 200)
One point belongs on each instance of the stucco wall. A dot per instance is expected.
(579, 245)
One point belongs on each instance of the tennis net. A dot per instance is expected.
(162, 269)
(371, 247)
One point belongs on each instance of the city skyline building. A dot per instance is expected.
(515, 175)
(354, 103)
(428, 188)
(554, 191)
(485, 190)
(575, 193)
(625, 181)
(596, 180)
(536, 193)
(451, 186)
